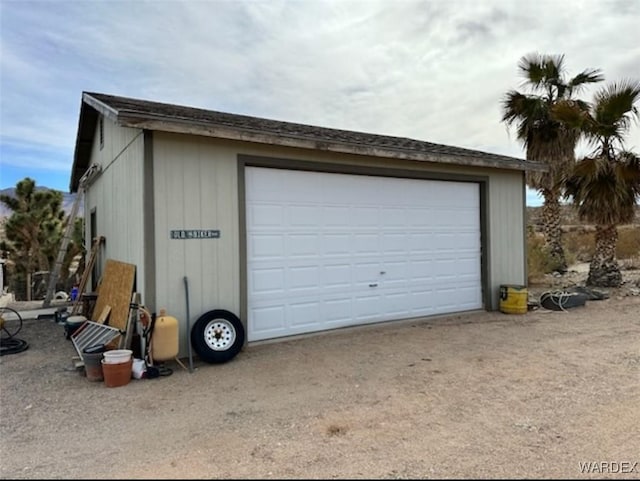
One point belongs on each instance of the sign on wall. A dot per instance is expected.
(194, 234)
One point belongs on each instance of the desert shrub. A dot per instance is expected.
(628, 246)
(579, 245)
(539, 260)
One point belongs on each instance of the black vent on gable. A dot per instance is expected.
(101, 127)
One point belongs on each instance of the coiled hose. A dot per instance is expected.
(10, 325)
(557, 298)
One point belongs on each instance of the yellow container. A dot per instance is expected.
(164, 339)
(514, 299)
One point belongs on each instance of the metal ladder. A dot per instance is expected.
(53, 279)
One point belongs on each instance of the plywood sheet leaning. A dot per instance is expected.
(115, 289)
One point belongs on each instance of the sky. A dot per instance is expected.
(432, 70)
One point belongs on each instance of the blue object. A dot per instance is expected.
(74, 293)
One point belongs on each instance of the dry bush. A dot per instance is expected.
(539, 261)
(579, 244)
(628, 242)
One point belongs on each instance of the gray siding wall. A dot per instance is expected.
(507, 232)
(116, 196)
(196, 187)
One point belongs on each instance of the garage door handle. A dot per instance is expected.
(373, 285)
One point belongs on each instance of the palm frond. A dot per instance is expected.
(525, 111)
(615, 103)
(573, 113)
(540, 71)
(589, 76)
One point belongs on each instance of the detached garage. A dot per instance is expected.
(295, 229)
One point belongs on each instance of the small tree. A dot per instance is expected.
(34, 229)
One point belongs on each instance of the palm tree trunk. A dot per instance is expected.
(552, 228)
(604, 270)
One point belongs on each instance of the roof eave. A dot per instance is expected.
(90, 109)
(84, 141)
(162, 123)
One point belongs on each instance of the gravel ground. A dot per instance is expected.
(479, 395)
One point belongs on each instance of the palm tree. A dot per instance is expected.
(33, 230)
(545, 138)
(605, 186)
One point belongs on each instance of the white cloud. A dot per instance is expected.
(432, 70)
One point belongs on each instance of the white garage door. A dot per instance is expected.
(333, 250)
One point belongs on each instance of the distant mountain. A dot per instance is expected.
(67, 201)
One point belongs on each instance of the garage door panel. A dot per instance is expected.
(303, 278)
(419, 242)
(335, 216)
(365, 217)
(443, 269)
(466, 242)
(301, 216)
(422, 300)
(336, 275)
(393, 243)
(421, 270)
(395, 218)
(333, 250)
(367, 306)
(266, 215)
(397, 303)
(267, 281)
(266, 245)
(264, 322)
(304, 314)
(468, 267)
(334, 244)
(301, 245)
(365, 243)
(366, 271)
(445, 300)
(395, 271)
(338, 310)
(420, 218)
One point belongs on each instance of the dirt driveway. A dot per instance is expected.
(482, 395)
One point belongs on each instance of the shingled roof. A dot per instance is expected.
(144, 114)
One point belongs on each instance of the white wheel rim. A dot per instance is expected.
(219, 334)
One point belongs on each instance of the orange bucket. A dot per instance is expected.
(116, 375)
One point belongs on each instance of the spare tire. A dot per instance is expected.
(217, 336)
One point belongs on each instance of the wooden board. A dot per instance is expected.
(85, 275)
(115, 289)
(105, 314)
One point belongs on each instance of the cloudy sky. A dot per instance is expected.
(432, 70)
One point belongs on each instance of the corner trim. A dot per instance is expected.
(148, 222)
